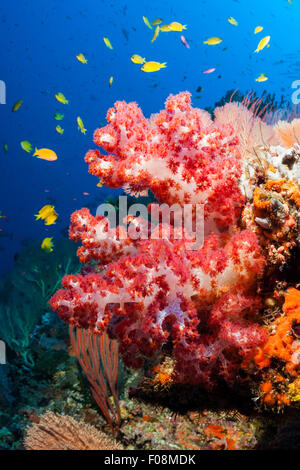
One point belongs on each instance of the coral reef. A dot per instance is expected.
(200, 304)
(187, 319)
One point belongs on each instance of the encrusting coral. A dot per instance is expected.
(58, 432)
(279, 357)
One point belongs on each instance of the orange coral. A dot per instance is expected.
(266, 387)
(286, 187)
(272, 394)
(281, 344)
(214, 430)
(163, 372)
(261, 200)
(219, 437)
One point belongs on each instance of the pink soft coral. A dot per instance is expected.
(155, 294)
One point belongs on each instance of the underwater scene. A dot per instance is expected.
(149, 226)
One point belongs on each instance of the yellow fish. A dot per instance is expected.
(263, 43)
(81, 58)
(156, 33)
(26, 146)
(16, 106)
(45, 154)
(146, 21)
(153, 66)
(51, 219)
(262, 78)
(175, 26)
(111, 79)
(213, 41)
(59, 130)
(47, 245)
(58, 116)
(100, 184)
(165, 28)
(232, 21)
(44, 212)
(107, 43)
(258, 29)
(80, 125)
(157, 21)
(61, 98)
(137, 59)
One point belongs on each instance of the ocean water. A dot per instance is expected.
(39, 44)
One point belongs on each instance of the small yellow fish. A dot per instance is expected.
(165, 28)
(258, 29)
(45, 212)
(16, 106)
(45, 154)
(262, 78)
(100, 184)
(61, 98)
(111, 79)
(47, 245)
(263, 43)
(58, 116)
(81, 58)
(59, 130)
(137, 59)
(156, 33)
(175, 26)
(107, 43)
(232, 21)
(80, 125)
(153, 66)
(157, 21)
(51, 219)
(146, 21)
(26, 146)
(213, 41)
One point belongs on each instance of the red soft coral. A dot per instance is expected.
(155, 293)
(177, 154)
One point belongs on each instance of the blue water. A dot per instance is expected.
(39, 44)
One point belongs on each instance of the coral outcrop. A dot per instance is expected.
(155, 293)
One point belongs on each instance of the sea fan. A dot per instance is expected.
(288, 132)
(57, 432)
